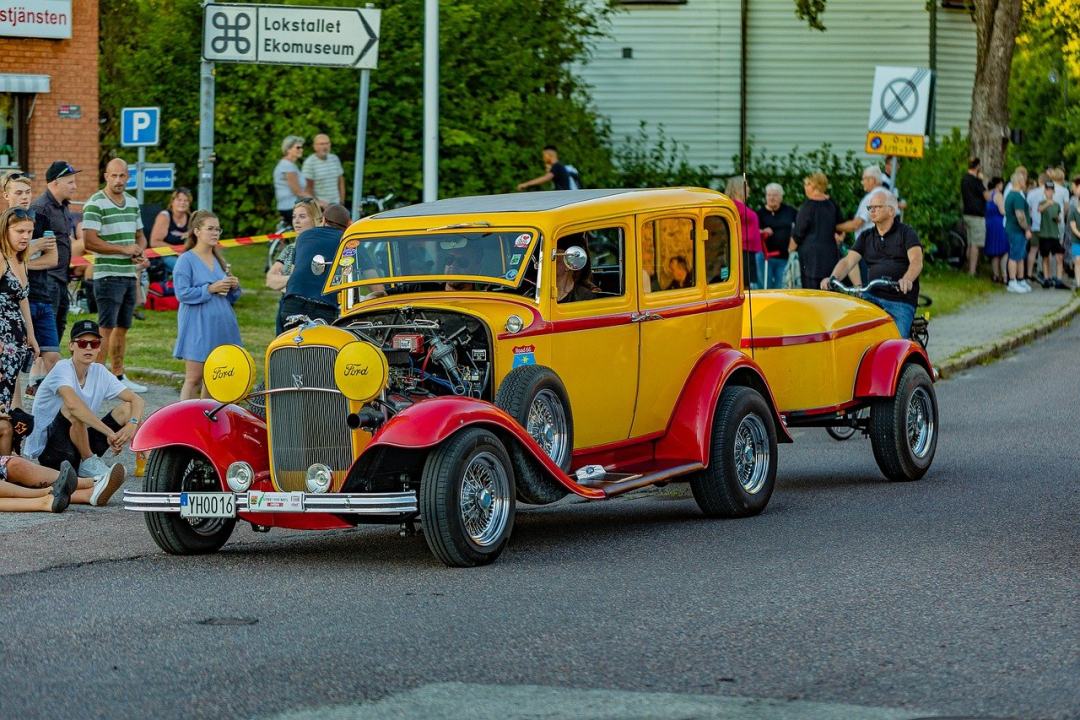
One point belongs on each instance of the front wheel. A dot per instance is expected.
(467, 499)
(178, 469)
(903, 428)
(742, 459)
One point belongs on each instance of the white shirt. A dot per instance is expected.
(283, 194)
(863, 213)
(325, 173)
(101, 385)
(1034, 197)
(1061, 197)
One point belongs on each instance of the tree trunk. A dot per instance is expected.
(997, 23)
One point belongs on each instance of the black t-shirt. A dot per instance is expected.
(780, 222)
(560, 176)
(55, 216)
(815, 225)
(971, 190)
(886, 257)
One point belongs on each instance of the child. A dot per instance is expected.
(1049, 234)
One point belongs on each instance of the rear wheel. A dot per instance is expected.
(903, 428)
(177, 469)
(742, 459)
(467, 499)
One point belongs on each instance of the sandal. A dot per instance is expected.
(62, 488)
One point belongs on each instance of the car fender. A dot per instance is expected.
(429, 422)
(234, 434)
(879, 369)
(689, 433)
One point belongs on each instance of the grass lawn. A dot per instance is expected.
(950, 289)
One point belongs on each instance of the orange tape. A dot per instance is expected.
(166, 251)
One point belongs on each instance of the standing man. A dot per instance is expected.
(892, 250)
(49, 286)
(872, 179)
(113, 231)
(974, 195)
(1018, 231)
(565, 177)
(325, 176)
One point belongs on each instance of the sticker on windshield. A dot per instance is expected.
(348, 252)
(511, 275)
(523, 240)
(352, 244)
(346, 261)
(515, 259)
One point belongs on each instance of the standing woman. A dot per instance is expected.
(753, 252)
(815, 234)
(289, 182)
(16, 327)
(997, 245)
(171, 226)
(206, 292)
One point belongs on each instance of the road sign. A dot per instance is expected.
(895, 144)
(156, 176)
(901, 100)
(287, 35)
(140, 127)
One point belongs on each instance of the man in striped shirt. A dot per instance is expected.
(113, 231)
(325, 177)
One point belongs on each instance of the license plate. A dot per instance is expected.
(289, 502)
(207, 505)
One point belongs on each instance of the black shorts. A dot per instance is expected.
(115, 300)
(58, 445)
(1050, 246)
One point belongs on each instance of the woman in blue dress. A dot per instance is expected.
(997, 245)
(206, 292)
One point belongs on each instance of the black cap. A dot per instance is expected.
(1049, 184)
(85, 327)
(59, 169)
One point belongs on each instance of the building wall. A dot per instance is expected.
(72, 66)
(956, 50)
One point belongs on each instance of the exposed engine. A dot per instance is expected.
(429, 353)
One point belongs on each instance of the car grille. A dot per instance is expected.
(306, 427)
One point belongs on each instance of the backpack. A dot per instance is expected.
(161, 297)
(575, 177)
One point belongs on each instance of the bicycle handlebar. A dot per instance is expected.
(856, 290)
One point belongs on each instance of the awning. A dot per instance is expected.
(24, 83)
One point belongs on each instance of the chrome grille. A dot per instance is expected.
(306, 427)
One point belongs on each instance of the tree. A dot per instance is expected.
(997, 23)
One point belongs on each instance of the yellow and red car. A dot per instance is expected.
(519, 348)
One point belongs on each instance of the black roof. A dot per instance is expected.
(509, 202)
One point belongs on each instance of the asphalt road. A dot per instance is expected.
(851, 597)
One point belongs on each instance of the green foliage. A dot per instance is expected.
(642, 161)
(811, 11)
(789, 170)
(931, 187)
(505, 91)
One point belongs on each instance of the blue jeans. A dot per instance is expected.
(774, 272)
(43, 316)
(902, 313)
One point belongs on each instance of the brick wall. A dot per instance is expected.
(72, 67)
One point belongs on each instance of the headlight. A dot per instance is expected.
(319, 478)
(514, 324)
(239, 477)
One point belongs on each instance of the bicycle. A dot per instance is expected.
(380, 203)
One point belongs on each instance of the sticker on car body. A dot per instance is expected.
(524, 355)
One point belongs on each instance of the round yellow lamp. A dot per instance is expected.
(229, 373)
(360, 371)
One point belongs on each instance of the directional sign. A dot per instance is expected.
(901, 100)
(156, 176)
(288, 35)
(140, 126)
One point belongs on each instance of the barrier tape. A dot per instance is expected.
(158, 252)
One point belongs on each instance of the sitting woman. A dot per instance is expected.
(573, 285)
(171, 227)
(28, 487)
(681, 276)
(305, 215)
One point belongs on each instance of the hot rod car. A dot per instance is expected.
(520, 348)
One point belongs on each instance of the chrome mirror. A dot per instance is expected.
(575, 258)
(319, 265)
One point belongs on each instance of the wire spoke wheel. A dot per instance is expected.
(199, 476)
(485, 499)
(547, 425)
(919, 423)
(752, 453)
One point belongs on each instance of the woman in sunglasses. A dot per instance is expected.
(16, 327)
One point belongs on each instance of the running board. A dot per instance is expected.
(625, 484)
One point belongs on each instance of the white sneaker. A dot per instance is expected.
(132, 385)
(93, 467)
(1024, 284)
(107, 484)
(1014, 287)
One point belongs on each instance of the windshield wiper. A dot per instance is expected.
(456, 226)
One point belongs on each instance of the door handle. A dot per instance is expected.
(644, 316)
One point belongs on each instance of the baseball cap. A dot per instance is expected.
(85, 327)
(1049, 184)
(59, 169)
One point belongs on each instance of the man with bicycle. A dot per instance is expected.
(893, 252)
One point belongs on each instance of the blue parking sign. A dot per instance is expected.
(140, 127)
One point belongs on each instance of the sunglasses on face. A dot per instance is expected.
(89, 344)
(65, 172)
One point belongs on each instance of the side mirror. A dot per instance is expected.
(575, 258)
(319, 265)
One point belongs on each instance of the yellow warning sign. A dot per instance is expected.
(892, 144)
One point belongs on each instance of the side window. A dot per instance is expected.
(667, 254)
(717, 249)
(604, 274)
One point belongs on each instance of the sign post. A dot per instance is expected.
(286, 35)
(140, 127)
(899, 108)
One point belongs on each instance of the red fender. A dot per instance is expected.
(879, 370)
(689, 432)
(429, 422)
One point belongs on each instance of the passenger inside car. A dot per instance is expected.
(681, 274)
(573, 286)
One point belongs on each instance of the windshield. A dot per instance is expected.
(457, 258)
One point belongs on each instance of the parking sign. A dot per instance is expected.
(140, 127)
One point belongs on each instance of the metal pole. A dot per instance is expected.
(206, 135)
(361, 143)
(139, 165)
(431, 100)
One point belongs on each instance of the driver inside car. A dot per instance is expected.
(459, 261)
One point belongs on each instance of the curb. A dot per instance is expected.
(990, 351)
